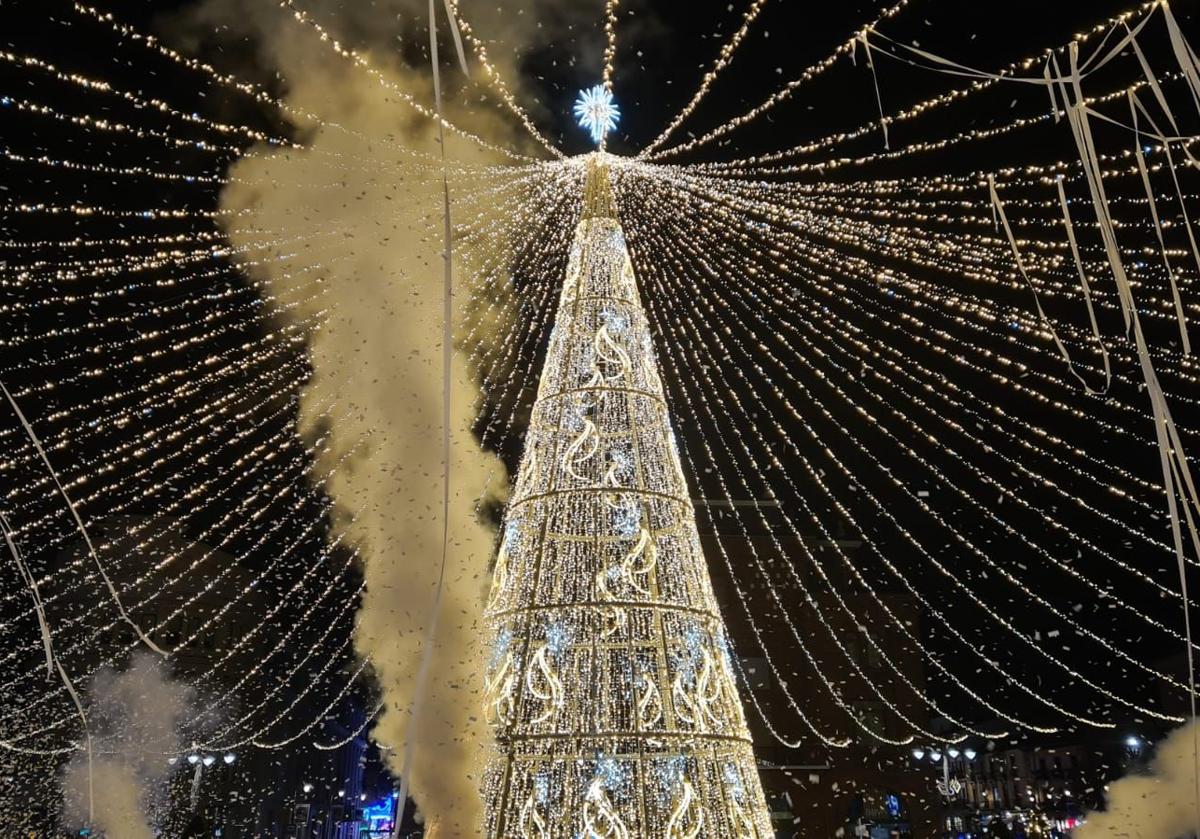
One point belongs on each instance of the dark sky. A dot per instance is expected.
(663, 49)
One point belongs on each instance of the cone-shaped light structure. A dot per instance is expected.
(610, 690)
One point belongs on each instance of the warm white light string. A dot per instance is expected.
(262, 539)
(935, 103)
(1012, 680)
(701, 298)
(148, 536)
(1016, 498)
(867, 242)
(178, 435)
(726, 456)
(126, 414)
(706, 81)
(926, 146)
(496, 81)
(784, 93)
(154, 105)
(808, 227)
(750, 245)
(359, 60)
(724, 387)
(245, 263)
(934, 611)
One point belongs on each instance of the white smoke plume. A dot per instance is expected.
(364, 241)
(1159, 803)
(134, 718)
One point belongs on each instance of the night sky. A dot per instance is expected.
(663, 49)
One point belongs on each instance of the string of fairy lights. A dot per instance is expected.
(973, 372)
(935, 612)
(711, 295)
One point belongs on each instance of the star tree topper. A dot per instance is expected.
(596, 111)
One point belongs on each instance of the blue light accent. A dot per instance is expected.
(512, 534)
(892, 804)
(667, 775)
(558, 638)
(616, 321)
(381, 810)
(500, 648)
(627, 518)
(734, 781)
(380, 818)
(597, 112)
(613, 775)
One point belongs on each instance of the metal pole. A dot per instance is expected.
(196, 783)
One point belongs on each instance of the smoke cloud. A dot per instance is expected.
(134, 718)
(362, 226)
(1157, 804)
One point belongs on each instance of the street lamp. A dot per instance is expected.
(970, 754)
(307, 788)
(201, 762)
(918, 754)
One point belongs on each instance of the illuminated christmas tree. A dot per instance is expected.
(610, 689)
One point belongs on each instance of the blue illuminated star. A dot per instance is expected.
(596, 111)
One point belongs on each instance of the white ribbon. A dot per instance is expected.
(37, 444)
(52, 661)
(953, 68)
(1134, 107)
(1050, 90)
(1087, 289)
(1177, 477)
(1183, 54)
(38, 607)
(447, 352)
(862, 39)
(998, 212)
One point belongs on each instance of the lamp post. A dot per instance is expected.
(947, 786)
(201, 761)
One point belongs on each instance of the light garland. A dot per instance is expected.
(722, 61)
(784, 93)
(844, 349)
